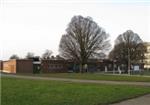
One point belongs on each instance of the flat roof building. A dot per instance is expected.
(147, 56)
(18, 66)
(53, 66)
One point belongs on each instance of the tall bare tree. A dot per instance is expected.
(14, 56)
(84, 39)
(47, 54)
(128, 48)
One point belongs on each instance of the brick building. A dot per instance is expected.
(18, 66)
(60, 66)
(1, 65)
(54, 66)
(147, 56)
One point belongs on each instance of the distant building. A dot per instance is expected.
(36, 61)
(36, 65)
(18, 66)
(54, 66)
(147, 56)
(1, 65)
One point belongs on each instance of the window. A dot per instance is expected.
(50, 67)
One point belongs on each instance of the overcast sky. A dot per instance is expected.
(37, 25)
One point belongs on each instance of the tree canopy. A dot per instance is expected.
(29, 55)
(84, 39)
(47, 54)
(128, 46)
(14, 56)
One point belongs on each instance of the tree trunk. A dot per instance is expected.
(129, 71)
(81, 68)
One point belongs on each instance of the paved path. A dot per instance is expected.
(79, 80)
(143, 100)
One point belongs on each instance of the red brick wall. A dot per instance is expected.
(18, 66)
(1, 65)
(24, 66)
(54, 66)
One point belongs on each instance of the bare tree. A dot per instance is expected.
(52, 57)
(84, 39)
(30, 55)
(128, 48)
(47, 54)
(59, 57)
(14, 56)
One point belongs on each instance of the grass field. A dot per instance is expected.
(96, 76)
(40, 92)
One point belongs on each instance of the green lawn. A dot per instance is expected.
(96, 76)
(40, 92)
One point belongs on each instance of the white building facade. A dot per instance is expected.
(147, 56)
